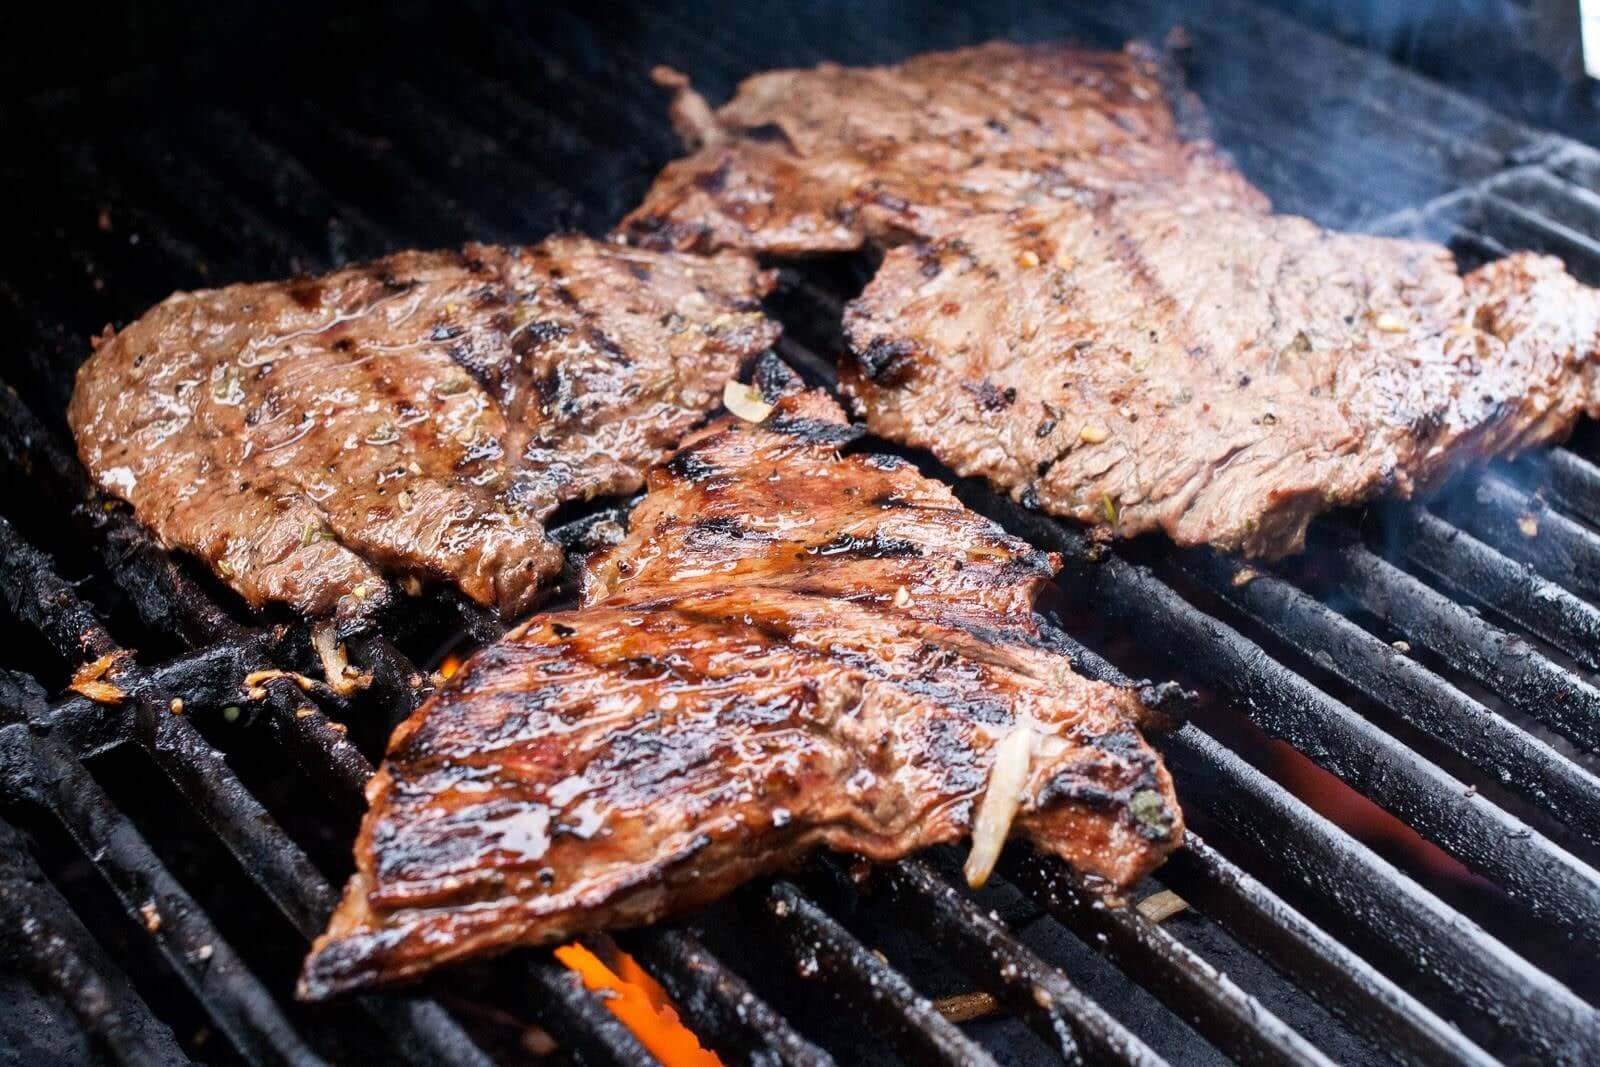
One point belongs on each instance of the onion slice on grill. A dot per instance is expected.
(745, 401)
(1000, 802)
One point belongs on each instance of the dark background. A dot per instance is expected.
(1522, 56)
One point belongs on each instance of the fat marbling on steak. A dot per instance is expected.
(416, 417)
(826, 160)
(1220, 375)
(789, 649)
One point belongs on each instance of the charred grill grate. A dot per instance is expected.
(1480, 736)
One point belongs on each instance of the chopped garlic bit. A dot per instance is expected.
(254, 682)
(1028, 259)
(88, 680)
(1389, 323)
(1000, 802)
(1094, 433)
(745, 401)
(902, 598)
(341, 677)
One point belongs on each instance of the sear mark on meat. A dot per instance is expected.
(830, 159)
(1220, 375)
(418, 416)
(735, 689)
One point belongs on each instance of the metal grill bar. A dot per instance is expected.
(723, 1006)
(1231, 1019)
(1499, 999)
(1343, 981)
(1407, 689)
(1524, 528)
(819, 945)
(1494, 658)
(207, 965)
(1545, 880)
(49, 939)
(245, 828)
(1059, 1012)
(1478, 573)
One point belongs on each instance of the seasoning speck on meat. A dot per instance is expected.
(790, 648)
(1220, 375)
(830, 159)
(415, 418)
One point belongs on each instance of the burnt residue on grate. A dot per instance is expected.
(1390, 767)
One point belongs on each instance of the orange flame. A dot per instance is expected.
(641, 1004)
(449, 665)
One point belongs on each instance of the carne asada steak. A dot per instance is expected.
(825, 160)
(1220, 375)
(416, 417)
(789, 649)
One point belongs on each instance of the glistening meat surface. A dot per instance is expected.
(789, 649)
(1220, 375)
(829, 159)
(417, 417)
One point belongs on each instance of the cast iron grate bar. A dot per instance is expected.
(819, 945)
(1480, 574)
(44, 935)
(1504, 663)
(1407, 689)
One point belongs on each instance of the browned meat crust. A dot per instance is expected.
(418, 416)
(1220, 375)
(789, 649)
(824, 160)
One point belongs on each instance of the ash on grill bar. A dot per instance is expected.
(1385, 742)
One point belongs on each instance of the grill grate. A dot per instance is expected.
(1481, 739)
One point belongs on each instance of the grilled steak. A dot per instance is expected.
(1217, 374)
(824, 160)
(415, 417)
(789, 649)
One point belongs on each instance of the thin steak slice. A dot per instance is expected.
(789, 649)
(417, 417)
(1220, 375)
(826, 160)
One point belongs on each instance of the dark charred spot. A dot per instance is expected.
(874, 547)
(883, 462)
(446, 332)
(343, 344)
(817, 432)
(562, 293)
(931, 267)
(538, 333)
(715, 179)
(492, 296)
(690, 467)
(392, 283)
(888, 363)
(989, 396)
(603, 341)
(640, 271)
(1045, 428)
(723, 527)
(561, 629)
(307, 292)
(997, 126)
(894, 203)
